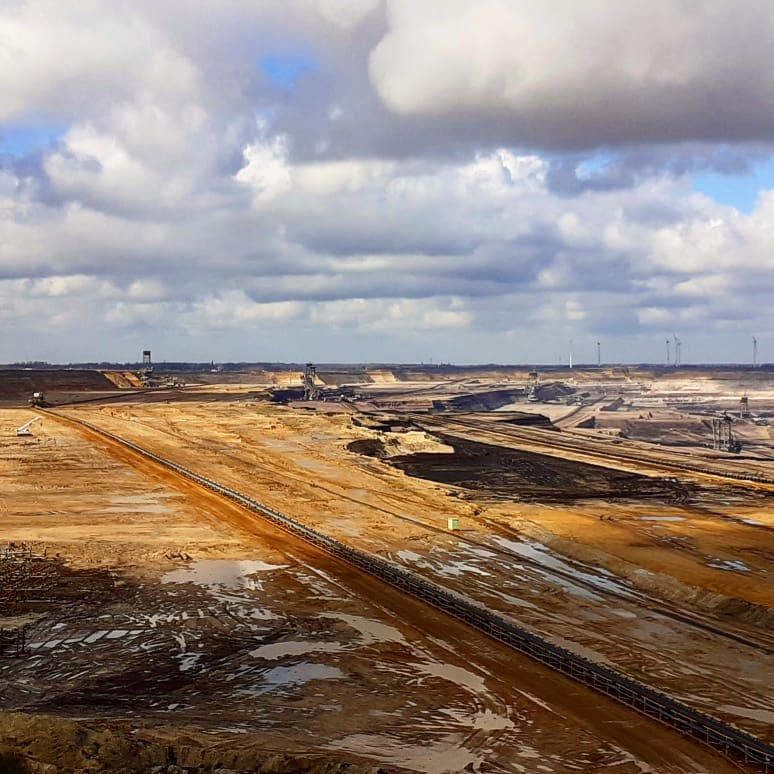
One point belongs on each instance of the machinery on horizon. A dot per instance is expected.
(532, 395)
(146, 372)
(744, 407)
(311, 390)
(24, 430)
(723, 436)
(38, 399)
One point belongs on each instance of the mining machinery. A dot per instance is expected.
(24, 430)
(38, 399)
(146, 372)
(723, 436)
(311, 391)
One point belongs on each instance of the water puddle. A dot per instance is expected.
(484, 720)
(276, 650)
(370, 631)
(447, 568)
(480, 552)
(728, 565)
(292, 676)
(543, 555)
(454, 674)
(222, 573)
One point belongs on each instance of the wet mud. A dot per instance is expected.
(499, 473)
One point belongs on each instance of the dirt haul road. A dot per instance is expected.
(258, 636)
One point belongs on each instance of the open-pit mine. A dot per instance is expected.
(400, 569)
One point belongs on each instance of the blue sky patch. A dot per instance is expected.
(24, 139)
(284, 70)
(593, 166)
(739, 191)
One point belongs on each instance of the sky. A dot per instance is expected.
(463, 181)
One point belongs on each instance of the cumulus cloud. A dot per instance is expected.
(396, 201)
(573, 74)
(64, 59)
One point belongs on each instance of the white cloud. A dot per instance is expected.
(393, 317)
(342, 13)
(62, 59)
(580, 73)
(191, 202)
(265, 169)
(234, 309)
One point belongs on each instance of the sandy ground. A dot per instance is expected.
(219, 624)
(299, 463)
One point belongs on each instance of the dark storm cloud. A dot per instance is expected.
(572, 75)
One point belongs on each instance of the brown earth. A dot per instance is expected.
(221, 634)
(39, 743)
(123, 379)
(17, 385)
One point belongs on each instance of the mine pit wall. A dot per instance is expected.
(482, 401)
(17, 385)
(647, 701)
(123, 379)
